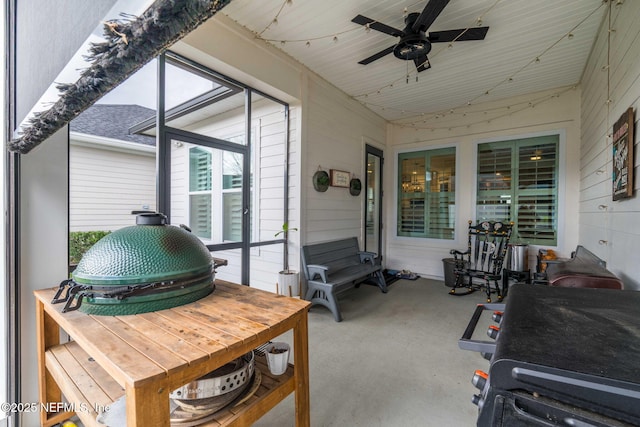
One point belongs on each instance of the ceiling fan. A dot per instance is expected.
(414, 44)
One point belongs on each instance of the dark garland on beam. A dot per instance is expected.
(130, 44)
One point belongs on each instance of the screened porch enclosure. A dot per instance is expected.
(220, 167)
(226, 177)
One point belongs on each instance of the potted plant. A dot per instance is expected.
(288, 280)
(277, 357)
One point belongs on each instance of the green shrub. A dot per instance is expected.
(81, 241)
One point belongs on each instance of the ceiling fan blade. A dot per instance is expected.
(422, 63)
(429, 14)
(377, 55)
(474, 33)
(378, 26)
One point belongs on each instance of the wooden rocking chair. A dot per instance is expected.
(481, 264)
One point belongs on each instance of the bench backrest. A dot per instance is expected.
(335, 254)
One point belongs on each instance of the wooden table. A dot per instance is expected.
(146, 356)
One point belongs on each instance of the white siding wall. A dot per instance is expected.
(608, 228)
(557, 115)
(106, 185)
(335, 135)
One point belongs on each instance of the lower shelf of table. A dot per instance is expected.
(89, 388)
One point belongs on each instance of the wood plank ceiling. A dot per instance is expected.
(531, 46)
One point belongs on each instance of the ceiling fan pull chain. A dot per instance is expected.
(407, 70)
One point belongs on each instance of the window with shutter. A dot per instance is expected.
(426, 188)
(518, 181)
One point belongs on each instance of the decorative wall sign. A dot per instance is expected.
(355, 186)
(340, 178)
(623, 156)
(321, 181)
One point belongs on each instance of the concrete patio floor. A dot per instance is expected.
(393, 361)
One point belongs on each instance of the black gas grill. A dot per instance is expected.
(563, 356)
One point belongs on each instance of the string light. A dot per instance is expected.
(496, 112)
(509, 111)
(478, 21)
(274, 21)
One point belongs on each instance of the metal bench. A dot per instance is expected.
(335, 266)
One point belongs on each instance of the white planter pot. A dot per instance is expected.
(289, 283)
(277, 357)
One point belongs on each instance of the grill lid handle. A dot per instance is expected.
(151, 218)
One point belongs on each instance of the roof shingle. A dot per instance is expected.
(113, 121)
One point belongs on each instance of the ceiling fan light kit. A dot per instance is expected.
(414, 44)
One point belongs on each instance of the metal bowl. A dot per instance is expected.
(214, 391)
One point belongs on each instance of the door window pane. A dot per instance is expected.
(232, 207)
(426, 206)
(373, 208)
(199, 169)
(200, 215)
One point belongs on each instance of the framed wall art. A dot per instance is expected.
(623, 140)
(340, 178)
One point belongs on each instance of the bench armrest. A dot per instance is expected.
(318, 269)
(367, 256)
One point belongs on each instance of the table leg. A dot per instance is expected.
(47, 335)
(148, 405)
(301, 370)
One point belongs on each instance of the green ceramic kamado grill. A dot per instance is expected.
(147, 267)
